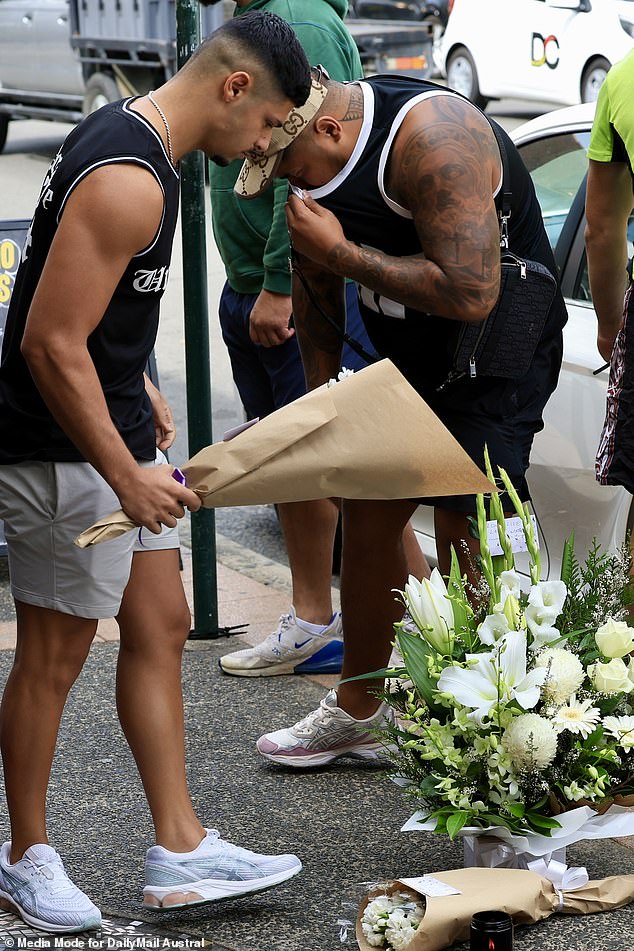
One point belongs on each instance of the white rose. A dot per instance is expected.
(615, 638)
(611, 678)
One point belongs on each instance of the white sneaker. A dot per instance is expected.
(290, 650)
(43, 895)
(326, 734)
(215, 869)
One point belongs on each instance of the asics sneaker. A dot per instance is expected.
(41, 892)
(290, 650)
(326, 734)
(213, 871)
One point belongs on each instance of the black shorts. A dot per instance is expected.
(615, 455)
(502, 415)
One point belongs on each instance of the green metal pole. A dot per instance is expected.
(197, 362)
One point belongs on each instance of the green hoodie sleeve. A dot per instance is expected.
(253, 237)
(277, 272)
(335, 50)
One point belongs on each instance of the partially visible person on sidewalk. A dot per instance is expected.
(255, 316)
(79, 431)
(397, 185)
(609, 236)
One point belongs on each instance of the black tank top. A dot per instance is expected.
(122, 342)
(421, 345)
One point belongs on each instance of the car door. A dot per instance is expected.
(532, 47)
(565, 493)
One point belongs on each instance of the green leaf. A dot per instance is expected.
(455, 823)
(415, 652)
(541, 823)
(427, 785)
(568, 560)
(516, 809)
(455, 590)
(383, 672)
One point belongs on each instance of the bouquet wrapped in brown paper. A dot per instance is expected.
(370, 436)
(525, 895)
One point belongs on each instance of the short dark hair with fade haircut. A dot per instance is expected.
(269, 41)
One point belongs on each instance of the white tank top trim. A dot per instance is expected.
(385, 153)
(366, 128)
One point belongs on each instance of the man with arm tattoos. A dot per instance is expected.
(397, 186)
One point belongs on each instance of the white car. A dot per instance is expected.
(555, 51)
(561, 479)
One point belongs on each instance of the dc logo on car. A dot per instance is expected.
(544, 50)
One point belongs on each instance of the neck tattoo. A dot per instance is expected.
(165, 123)
(354, 108)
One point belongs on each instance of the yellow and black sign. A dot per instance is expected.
(12, 237)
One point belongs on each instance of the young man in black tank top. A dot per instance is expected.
(395, 183)
(80, 431)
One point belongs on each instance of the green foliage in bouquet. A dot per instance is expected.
(512, 705)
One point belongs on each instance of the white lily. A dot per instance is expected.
(548, 597)
(493, 628)
(499, 675)
(543, 634)
(545, 603)
(509, 584)
(431, 610)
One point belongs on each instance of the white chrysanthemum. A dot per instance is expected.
(379, 907)
(530, 741)
(622, 728)
(374, 938)
(401, 928)
(565, 673)
(577, 716)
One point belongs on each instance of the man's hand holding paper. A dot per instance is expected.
(151, 498)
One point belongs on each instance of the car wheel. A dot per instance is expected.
(100, 90)
(592, 79)
(4, 129)
(463, 76)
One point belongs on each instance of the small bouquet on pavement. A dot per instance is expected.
(455, 896)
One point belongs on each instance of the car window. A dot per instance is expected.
(557, 164)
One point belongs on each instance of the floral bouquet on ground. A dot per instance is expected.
(391, 917)
(515, 706)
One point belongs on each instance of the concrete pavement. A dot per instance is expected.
(342, 821)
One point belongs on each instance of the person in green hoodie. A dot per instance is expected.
(255, 317)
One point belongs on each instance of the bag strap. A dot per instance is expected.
(352, 342)
(505, 211)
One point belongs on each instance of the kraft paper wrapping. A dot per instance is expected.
(369, 436)
(525, 896)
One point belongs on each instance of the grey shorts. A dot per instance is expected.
(45, 505)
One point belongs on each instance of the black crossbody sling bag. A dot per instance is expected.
(504, 343)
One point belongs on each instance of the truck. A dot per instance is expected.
(63, 59)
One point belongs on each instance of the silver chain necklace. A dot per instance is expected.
(165, 123)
